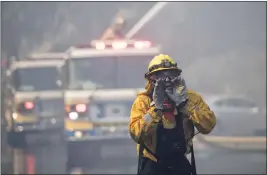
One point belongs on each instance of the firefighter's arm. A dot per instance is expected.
(203, 118)
(143, 119)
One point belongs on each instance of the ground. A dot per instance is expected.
(207, 162)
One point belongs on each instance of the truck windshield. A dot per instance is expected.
(36, 79)
(108, 72)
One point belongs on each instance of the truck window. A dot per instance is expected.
(89, 73)
(108, 72)
(36, 79)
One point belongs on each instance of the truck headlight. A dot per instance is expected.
(73, 115)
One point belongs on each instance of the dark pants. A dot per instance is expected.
(149, 167)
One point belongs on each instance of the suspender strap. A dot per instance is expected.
(179, 121)
(140, 156)
(193, 162)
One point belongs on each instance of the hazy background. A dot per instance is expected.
(221, 46)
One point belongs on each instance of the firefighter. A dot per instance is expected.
(162, 120)
(115, 31)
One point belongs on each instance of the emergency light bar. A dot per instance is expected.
(116, 44)
(89, 52)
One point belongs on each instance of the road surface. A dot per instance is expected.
(207, 162)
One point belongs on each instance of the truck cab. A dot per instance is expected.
(104, 79)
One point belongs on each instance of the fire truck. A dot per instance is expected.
(30, 80)
(34, 112)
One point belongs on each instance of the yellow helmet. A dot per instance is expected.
(161, 62)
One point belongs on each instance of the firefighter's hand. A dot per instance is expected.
(159, 94)
(178, 92)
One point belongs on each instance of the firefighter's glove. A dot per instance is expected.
(178, 92)
(159, 94)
